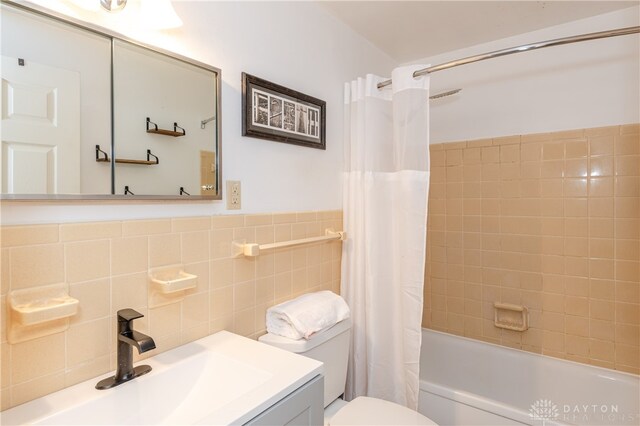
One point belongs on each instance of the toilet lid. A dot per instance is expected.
(372, 411)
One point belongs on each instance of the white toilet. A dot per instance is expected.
(332, 348)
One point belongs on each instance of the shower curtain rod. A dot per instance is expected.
(519, 49)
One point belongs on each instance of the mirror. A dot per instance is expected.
(164, 115)
(55, 102)
(89, 115)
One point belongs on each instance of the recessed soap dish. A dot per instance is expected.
(511, 317)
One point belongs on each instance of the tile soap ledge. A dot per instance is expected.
(169, 284)
(36, 312)
(37, 305)
(175, 281)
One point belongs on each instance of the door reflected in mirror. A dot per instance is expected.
(56, 105)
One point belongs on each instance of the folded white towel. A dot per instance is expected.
(305, 315)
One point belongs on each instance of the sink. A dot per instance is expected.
(220, 379)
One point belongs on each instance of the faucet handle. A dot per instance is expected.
(128, 315)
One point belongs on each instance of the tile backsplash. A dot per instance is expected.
(549, 221)
(106, 265)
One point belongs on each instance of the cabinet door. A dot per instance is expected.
(303, 407)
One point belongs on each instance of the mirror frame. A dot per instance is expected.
(112, 35)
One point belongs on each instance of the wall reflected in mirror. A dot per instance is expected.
(57, 117)
(161, 103)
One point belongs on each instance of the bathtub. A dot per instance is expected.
(467, 382)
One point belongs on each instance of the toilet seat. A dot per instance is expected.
(372, 411)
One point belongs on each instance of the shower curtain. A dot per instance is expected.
(386, 183)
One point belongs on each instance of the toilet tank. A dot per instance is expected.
(330, 347)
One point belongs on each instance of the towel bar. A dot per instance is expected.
(253, 249)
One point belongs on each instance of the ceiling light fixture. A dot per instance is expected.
(113, 5)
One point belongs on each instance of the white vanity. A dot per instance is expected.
(220, 379)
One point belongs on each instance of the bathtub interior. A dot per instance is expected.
(514, 380)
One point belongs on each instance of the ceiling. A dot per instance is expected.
(412, 30)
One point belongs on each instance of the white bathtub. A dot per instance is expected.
(466, 382)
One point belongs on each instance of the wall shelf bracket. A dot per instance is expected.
(176, 132)
(103, 157)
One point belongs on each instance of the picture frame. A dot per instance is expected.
(274, 112)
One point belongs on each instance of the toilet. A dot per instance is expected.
(332, 348)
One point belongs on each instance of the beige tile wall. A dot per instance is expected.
(106, 266)
(550, 221)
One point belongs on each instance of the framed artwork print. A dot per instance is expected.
(274, 112)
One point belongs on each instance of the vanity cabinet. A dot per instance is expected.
(303, 407)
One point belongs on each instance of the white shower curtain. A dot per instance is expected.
(386, 183)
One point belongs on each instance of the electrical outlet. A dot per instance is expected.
(234, 195)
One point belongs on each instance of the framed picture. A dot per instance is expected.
(273, 112)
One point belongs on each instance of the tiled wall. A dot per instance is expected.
(106, 266)
(550, 221)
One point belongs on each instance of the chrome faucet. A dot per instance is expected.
(127, 338)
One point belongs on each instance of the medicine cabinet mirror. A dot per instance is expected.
(90, 115)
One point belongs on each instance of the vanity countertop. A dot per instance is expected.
(220, 379)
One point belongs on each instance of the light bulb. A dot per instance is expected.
(113, 5)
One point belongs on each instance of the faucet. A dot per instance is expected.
(127, 339)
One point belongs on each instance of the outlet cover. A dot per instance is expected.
(234, 195)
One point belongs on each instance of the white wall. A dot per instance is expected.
(580, 85)
(296, 44)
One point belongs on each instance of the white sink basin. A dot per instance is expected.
(220, 379)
